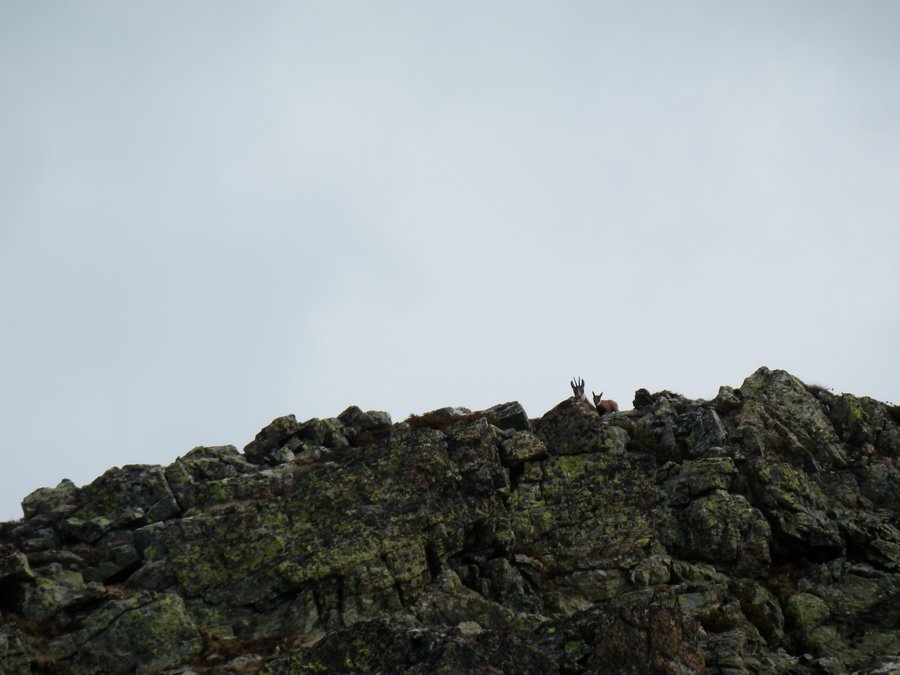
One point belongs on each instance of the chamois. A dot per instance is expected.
(604, 406)
(578, 389)
(601, 406)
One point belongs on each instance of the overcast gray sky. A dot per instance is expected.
(216, 213)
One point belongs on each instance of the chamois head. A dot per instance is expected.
(604, 406)
(578, 388)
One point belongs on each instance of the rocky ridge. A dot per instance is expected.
(757, 532)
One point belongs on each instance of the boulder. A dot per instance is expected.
(725, 530)
(54, 590)
(508, 416)
(131, 496)
(143, 634)
(328, 433)
(354, 419)
(50, 502)
(273, 442)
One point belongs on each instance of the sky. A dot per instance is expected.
(216, 213)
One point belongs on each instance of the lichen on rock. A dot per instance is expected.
(755, 532)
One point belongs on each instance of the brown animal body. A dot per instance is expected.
(604, 406)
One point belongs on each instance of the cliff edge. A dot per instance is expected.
(757, 532)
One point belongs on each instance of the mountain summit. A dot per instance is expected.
(757, 532)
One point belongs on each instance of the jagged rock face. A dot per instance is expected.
(758, 532)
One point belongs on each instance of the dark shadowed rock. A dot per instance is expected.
(642, 398)
(355, 419)
(404, 645)
(636, 632)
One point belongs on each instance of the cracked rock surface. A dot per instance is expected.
(757, 532)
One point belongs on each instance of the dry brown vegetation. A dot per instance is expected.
(784, 578)
(218, 651)
(37, 635)
(816, 389)
(370, 436)
(115, 591)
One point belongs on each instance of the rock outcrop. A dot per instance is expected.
(757, 532)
